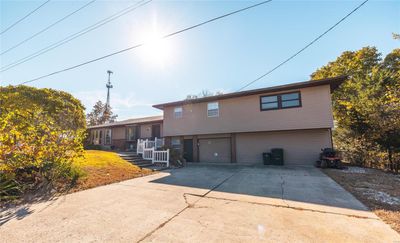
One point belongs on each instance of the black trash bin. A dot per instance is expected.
(267, 158)
(277, 156)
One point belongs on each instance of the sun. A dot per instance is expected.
(156, 49)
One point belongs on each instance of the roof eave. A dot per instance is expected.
(334, 83)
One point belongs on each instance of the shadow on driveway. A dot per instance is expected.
(291, 183)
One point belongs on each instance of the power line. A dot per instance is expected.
(76, 35)
(141, 44)
(48, 27)
(305, 47)
(26, 16)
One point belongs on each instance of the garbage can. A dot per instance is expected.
(267, 158)
(277, 156)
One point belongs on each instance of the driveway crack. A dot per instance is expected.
(283, 191)
(188, 205)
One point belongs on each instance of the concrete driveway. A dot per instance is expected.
(203, 203)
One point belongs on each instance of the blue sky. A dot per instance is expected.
(221, 56)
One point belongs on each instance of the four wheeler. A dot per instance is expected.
(329, 159)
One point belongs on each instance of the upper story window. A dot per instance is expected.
(280, 101)
(178, 112)
(213, 109)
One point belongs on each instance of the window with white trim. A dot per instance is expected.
(178, 112)
(213, 109)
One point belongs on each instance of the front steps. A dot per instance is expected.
(136, 159)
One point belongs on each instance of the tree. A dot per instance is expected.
(202, 94)
(100, 114)
(41, 131)
(367, 105)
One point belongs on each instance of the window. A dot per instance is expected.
(107, 136)
(131, 133)
(100, 136)
(178, 112)
(280, 101)
(176, 143)
(212, 109)
(96, 140)
(269, 102)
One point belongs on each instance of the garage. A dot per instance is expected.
(215, 150)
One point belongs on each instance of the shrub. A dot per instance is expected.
(9, 188)
(175, 156)
(41, 133)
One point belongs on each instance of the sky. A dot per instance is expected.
(220, 56)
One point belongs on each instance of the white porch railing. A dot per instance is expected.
(148, 149)
(148, 153)
(139, 147)
(161, 157)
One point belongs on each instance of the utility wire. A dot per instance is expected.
(141, 44)
(76, 35)
(305, 47)
(48, 27)
(26, 16)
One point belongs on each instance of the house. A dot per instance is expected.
(239, 127)
(123, 135)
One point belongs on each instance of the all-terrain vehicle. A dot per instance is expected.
(329, 158)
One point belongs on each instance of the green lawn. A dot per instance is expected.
(102, 167)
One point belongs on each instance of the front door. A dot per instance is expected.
(188, 149)
(155, 131)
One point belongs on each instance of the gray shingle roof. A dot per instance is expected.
(131, 121)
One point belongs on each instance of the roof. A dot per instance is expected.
(131, 121)
(333, 82)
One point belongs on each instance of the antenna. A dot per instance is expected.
(109, 86)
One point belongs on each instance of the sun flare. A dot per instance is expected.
(156, 49)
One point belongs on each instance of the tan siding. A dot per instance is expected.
(145, 131)
(300, 147)
(118, 133)
(243, 114)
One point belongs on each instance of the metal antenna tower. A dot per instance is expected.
(109, 86)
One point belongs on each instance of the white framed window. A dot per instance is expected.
(178, 112)
(107, 137)
(213, 109)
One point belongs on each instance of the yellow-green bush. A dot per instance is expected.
(41, 133)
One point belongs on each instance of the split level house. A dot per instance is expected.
(238, 127)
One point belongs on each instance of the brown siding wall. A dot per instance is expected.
(145, 131)
(243, 114)
(118, 133)
(300, 147)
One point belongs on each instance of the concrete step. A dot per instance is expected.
(132, 158)
(137, 160)
(142, 163)
(129, 155)
(146, 165)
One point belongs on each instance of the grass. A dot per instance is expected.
(101, 168)
(377, 189)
